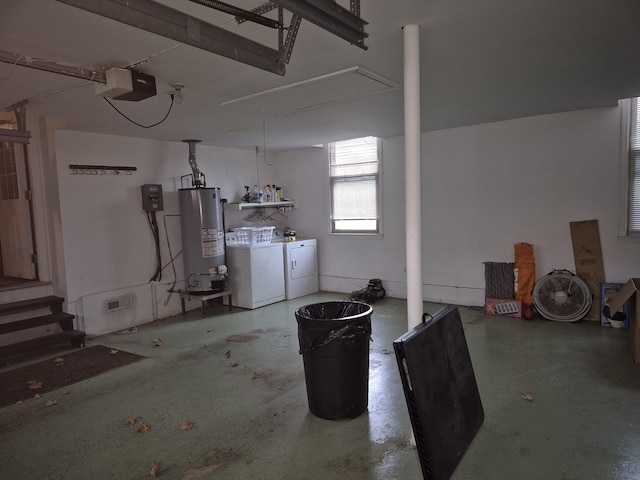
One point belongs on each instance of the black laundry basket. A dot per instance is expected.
(334, 343)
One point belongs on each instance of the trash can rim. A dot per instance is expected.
(350, 317)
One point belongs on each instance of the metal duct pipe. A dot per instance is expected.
(198, 176)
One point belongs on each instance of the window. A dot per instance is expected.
(355, 185)
(8, 172)
(633, 207)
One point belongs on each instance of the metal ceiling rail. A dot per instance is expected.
(330, 16)
(239, 12)
(39, 64)
(259, 10)
(22, 135)
(167, 22)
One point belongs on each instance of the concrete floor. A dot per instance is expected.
(251, 421)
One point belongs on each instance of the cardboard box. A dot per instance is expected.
(490, 304)
(616, 302)
(609, 290)
(587, 254)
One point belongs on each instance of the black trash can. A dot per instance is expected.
(334, 343)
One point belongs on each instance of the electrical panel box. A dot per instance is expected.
(151, 197)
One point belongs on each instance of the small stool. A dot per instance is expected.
(205, 298)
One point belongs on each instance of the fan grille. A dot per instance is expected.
(562, 296)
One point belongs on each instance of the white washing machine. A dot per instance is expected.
(256, 274)
(300, 268)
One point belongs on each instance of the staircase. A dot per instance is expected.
(56, 316)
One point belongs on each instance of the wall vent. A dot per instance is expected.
(120, 303)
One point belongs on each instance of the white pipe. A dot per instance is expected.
(413, 183)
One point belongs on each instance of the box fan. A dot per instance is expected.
(562, 296)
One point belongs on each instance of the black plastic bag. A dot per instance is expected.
(336, 323)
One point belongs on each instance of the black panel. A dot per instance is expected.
(441, 391)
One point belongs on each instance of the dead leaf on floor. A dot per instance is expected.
(37, 396)
(113, 352)
(158, 342)
(143, 428)
(186, 426)
(34, 384)
(58, 360)
(233, 365)
(255, 375)
(51, 403)
(19, 402)
(227, 354)
(209, 331)
(133, 419)
(155, 469)
(528, 397)
(67, 392)
(196, 473)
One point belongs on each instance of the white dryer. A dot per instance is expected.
(300, 268)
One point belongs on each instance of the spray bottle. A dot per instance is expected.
(247, 195)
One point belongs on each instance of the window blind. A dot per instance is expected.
(633, 215)
(354, 168)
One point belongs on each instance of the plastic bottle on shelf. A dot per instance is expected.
(247, 195)
(260, 195)
(267, 193)
(255, 194)
(278, 194)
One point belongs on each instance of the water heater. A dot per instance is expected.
(202, 239)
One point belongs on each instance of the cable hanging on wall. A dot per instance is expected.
(153, 224)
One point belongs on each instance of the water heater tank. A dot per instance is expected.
(202, 239)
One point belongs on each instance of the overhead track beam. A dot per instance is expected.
(38, 64)
(167, 22)
(292, 33)
(330, 16)
(22, 135)
(259, 10)
(239, 12)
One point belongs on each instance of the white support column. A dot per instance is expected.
(413, 179)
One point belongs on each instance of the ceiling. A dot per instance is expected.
(481, 61)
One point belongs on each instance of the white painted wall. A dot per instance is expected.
(108, 245)
(486, 187)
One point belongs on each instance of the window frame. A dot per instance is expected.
(627, 110)
(9, 185)
(378, 180)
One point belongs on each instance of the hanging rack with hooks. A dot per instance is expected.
(100, 169)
